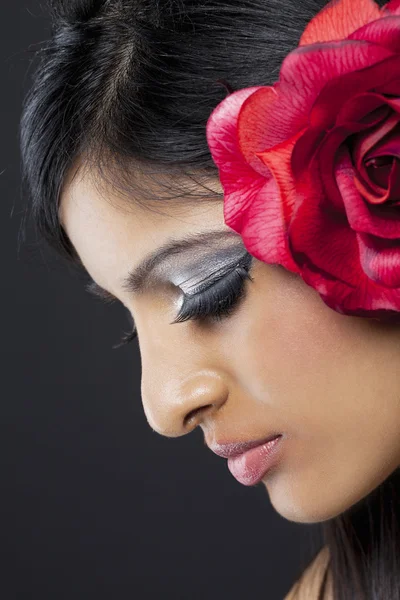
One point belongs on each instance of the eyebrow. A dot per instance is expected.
(137, 279)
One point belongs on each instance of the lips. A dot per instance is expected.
(232, 449)
(250, 461)
(250, 468)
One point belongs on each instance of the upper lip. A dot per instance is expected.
(232, 449)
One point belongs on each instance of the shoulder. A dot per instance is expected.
(307, 587)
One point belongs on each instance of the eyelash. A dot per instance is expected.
(216, 302)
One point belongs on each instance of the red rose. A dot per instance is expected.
(310, 166)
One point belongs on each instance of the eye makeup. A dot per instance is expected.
(207, 268)
(212, 288)
(217, 297)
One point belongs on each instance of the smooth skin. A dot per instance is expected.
(283, 361)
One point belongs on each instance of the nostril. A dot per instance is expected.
(196, 415)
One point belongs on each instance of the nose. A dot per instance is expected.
(181, 388)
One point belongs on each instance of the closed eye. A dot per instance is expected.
(215, 301)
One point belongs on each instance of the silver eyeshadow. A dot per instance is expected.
(195, 274)
(182, 262)
(149, 272)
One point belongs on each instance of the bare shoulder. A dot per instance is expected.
(307, 587)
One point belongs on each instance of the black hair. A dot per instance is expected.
(125, 87)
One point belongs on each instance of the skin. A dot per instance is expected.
(282, 362)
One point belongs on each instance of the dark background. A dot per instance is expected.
(93, 503)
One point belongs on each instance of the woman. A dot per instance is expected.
(222, 213)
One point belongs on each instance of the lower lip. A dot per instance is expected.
(249, 468)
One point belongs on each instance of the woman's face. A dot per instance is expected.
(282, 361)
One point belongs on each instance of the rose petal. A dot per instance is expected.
(221, 131)
(240, 182)
(392, 7)
(370, 191)
(391, 88)
(307, 71)
(241, 186)
(382, 222)
(389, 145)
(263, 228)
(391, 196)
(368, 299)
(266, 224)
(278, 161)
(252, 203)
(384, 32)
(380, 173)
(305, 149)
(364, 145)
(320, 236)
(366, 141)
(339, 19)
(394, 103)
(366, 108)
(272, 115)
(332, 291)
(378, 196)
(254, 133)
(341, 90)
(326, 158)
(380, 259)
(326, 162)
(388, 149)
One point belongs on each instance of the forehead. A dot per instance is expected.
(113, 234)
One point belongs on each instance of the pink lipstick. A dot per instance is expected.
(250, 467)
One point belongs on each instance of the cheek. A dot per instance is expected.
(329, 382)
(320, 372)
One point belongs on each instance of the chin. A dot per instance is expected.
(302, 503)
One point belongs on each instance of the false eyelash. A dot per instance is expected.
(216, 301)
(220, 297)
(127, 339)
